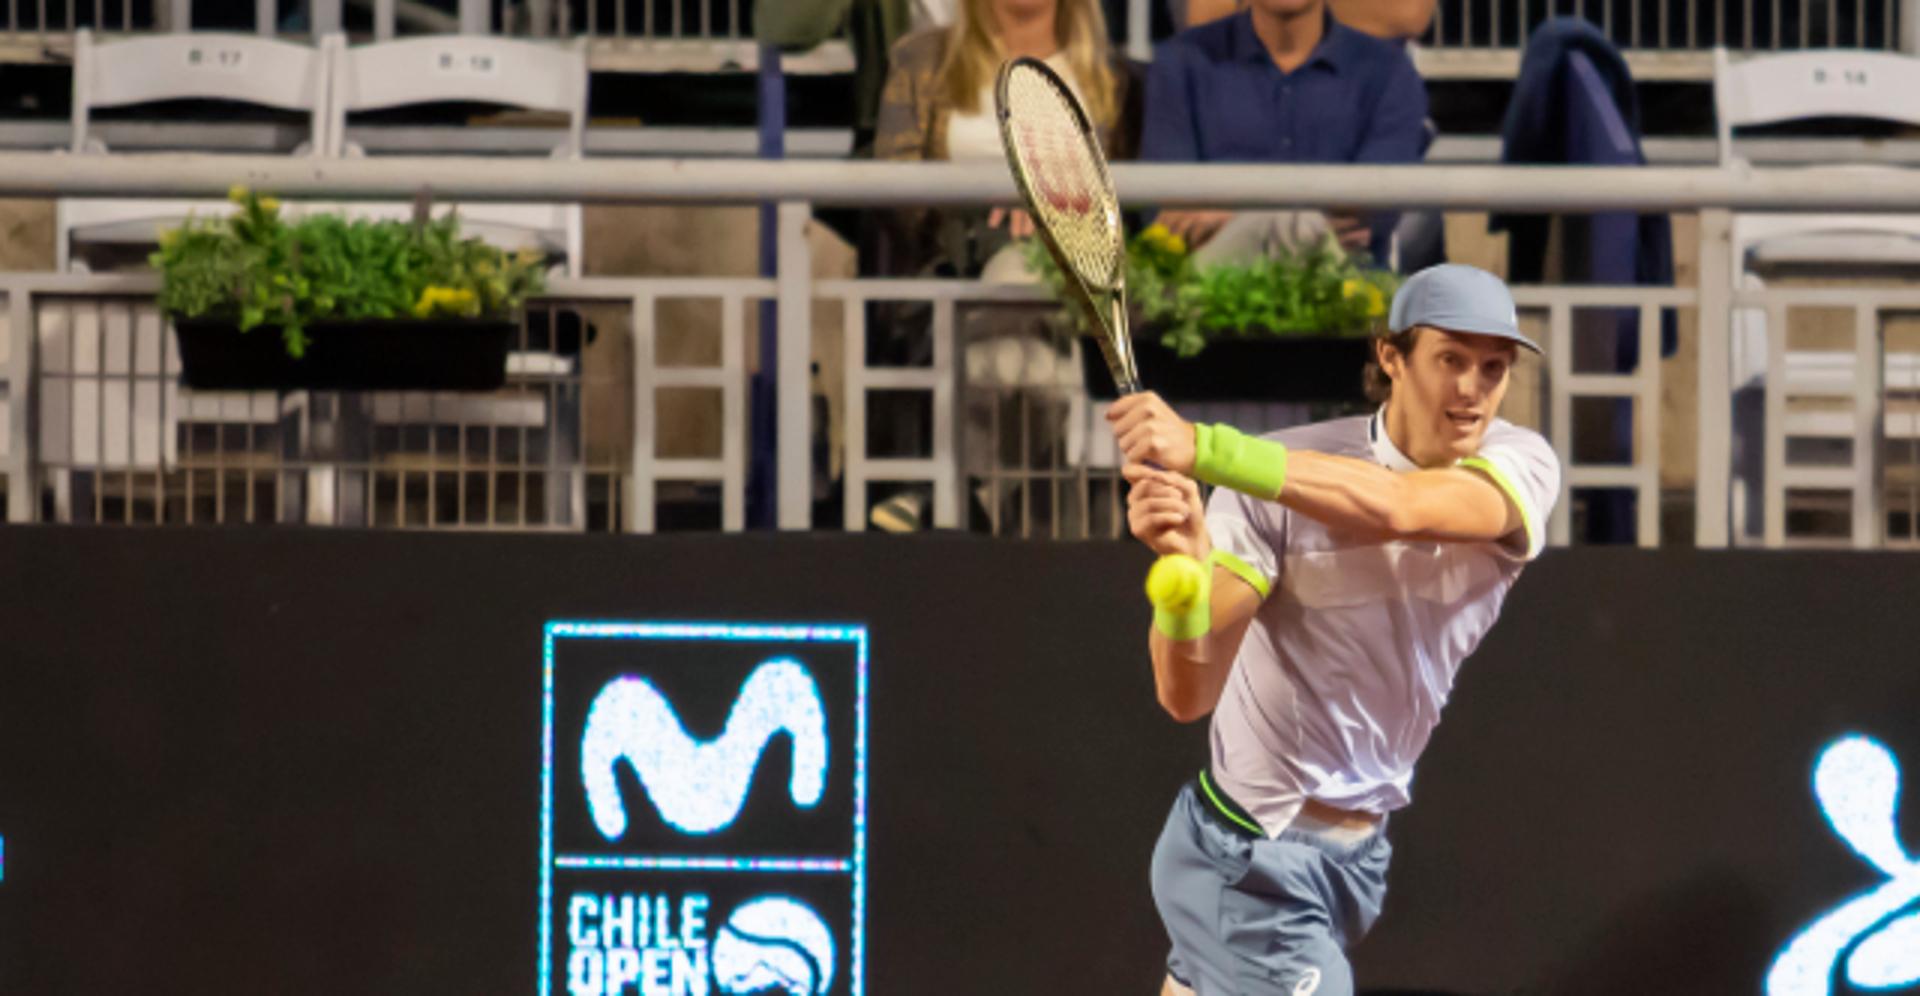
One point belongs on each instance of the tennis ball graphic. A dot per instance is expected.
(773, 944)
(1174, 582)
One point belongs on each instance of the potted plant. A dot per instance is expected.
(259, 302)
(1291, 327)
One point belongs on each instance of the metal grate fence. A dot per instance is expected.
(1677, 25)
(711, 35)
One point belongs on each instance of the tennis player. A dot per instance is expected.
(1353, 565)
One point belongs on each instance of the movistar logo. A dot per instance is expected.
(1876, 936)
(698, 787)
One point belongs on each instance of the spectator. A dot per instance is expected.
(1390, 19)
(938, 105)
(1282, 81)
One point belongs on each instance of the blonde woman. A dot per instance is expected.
(938, 105)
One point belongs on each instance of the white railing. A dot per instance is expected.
(627, 484)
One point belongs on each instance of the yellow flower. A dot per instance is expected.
(269, 204)
(1349, 287)
(1157, 236)
(237, 193)
(458, 301)
(1376, 302)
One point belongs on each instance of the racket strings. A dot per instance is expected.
(1072, 194)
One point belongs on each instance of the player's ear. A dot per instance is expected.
(1392, 361)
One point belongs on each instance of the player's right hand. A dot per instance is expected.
(1165, 512)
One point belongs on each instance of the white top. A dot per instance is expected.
(932, 13)
(1342, 675)
(977, 135)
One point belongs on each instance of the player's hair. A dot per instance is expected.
(1378, 385)
(974, 56)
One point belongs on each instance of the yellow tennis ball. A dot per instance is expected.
(1174, 582)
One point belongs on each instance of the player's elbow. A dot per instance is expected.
(1402, 523)
(1184, 708)
(1402, 514)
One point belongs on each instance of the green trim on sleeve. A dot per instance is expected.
(1227, 458)
(1536, 540)
(1242, 570)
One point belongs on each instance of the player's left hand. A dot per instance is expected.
(1151, 432)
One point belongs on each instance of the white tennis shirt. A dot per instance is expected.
(1344, 670)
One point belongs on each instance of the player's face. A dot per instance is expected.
(1447, 391)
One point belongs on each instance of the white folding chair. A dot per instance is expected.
(528, 75)
(532, 76)
(246, 69)
(1789, 87)
(135, 422)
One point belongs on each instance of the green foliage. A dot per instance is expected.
(255, 269)
(1321, 290)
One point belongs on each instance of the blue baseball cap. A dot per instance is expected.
(1458, 298)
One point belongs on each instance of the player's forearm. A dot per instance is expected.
(1189, 674)
(1352, 494)
(1447, 504)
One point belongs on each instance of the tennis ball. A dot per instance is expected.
(1174, 582)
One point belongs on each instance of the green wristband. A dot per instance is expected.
(1194, 620)
(1227, 458)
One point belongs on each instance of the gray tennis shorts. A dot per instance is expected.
(1254, 916)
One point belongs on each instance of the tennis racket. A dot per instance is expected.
(1062, 175)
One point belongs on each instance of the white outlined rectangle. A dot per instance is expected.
(853, 865)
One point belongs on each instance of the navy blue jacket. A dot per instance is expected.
(1574, 102)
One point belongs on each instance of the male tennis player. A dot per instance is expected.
(1354, 564)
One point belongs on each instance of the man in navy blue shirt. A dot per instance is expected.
(1282, 82)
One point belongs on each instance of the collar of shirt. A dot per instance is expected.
(1334, 48)
(1388, 455)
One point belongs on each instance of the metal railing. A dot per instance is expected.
(1664, 39)
(575, 469)
(1679, 25)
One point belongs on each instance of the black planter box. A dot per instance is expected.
(367, 355)
(1302, 368)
